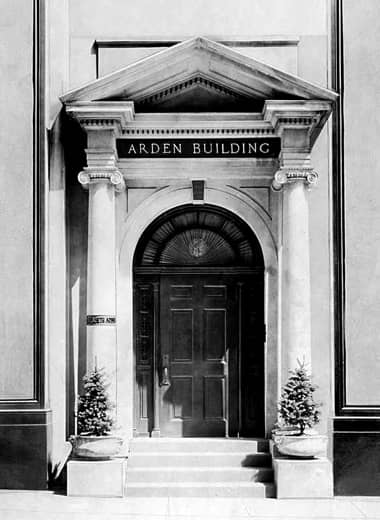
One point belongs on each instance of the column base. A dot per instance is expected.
(303, 478)
(96, 478)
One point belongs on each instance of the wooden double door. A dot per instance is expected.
(202, 372)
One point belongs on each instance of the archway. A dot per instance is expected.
(199, 326)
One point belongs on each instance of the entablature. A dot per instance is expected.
(288, 114)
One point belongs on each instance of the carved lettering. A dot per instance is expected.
(268, 147)
(196, 148)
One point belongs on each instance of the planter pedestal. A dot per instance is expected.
(96, 478)
(303, 478)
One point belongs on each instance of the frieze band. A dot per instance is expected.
(251, 147)
(101, 319)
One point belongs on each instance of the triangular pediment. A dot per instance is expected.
(198, 75)
(198, 94)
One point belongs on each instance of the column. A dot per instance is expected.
(296, 290)
(102, 179)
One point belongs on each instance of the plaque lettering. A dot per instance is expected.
(260, 147)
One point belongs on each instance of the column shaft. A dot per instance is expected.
(101, 281)
(296, 276)
(101, 249)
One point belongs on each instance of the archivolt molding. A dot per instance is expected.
(250, 211)
(174, 196)
(266, 211)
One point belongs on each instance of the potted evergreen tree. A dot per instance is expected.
(299, 412)
(94, 421)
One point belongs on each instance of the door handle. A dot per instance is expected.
(165, 380)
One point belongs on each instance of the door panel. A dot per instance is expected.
(182, 334)
(182, 391)
(214, 326)
(194, 323)
(214, 397)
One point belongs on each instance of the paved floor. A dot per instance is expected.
(20, 505)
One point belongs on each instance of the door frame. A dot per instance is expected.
(149, 277)
(263, 223)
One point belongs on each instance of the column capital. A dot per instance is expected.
(101, 167)
(286, 175)
(103, 174)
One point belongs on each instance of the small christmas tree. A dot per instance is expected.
(297, 406)
(94, 406)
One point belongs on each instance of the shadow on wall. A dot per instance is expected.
(74, 142)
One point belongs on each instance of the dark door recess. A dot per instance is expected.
(199, 326)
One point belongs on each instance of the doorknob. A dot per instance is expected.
(165, 381)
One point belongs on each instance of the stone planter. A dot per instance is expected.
(96, 447)
(306, 446)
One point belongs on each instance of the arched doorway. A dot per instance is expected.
(199, 326)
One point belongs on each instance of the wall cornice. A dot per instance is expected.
(102, 115)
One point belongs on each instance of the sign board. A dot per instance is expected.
(260, 147)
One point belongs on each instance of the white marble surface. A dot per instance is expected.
(49, 506)
(303, 478)
(93, 478)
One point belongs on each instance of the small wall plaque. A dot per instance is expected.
(101, 319)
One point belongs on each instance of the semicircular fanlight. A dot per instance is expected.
(197, 247)
(198, 236)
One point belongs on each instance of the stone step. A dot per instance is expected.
(206, 475)
(199, 444)
(200, 489)
(199, 459)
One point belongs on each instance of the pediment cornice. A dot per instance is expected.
(219, 67)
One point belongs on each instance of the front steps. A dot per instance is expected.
(198, 467)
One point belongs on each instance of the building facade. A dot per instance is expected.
(196, 215)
